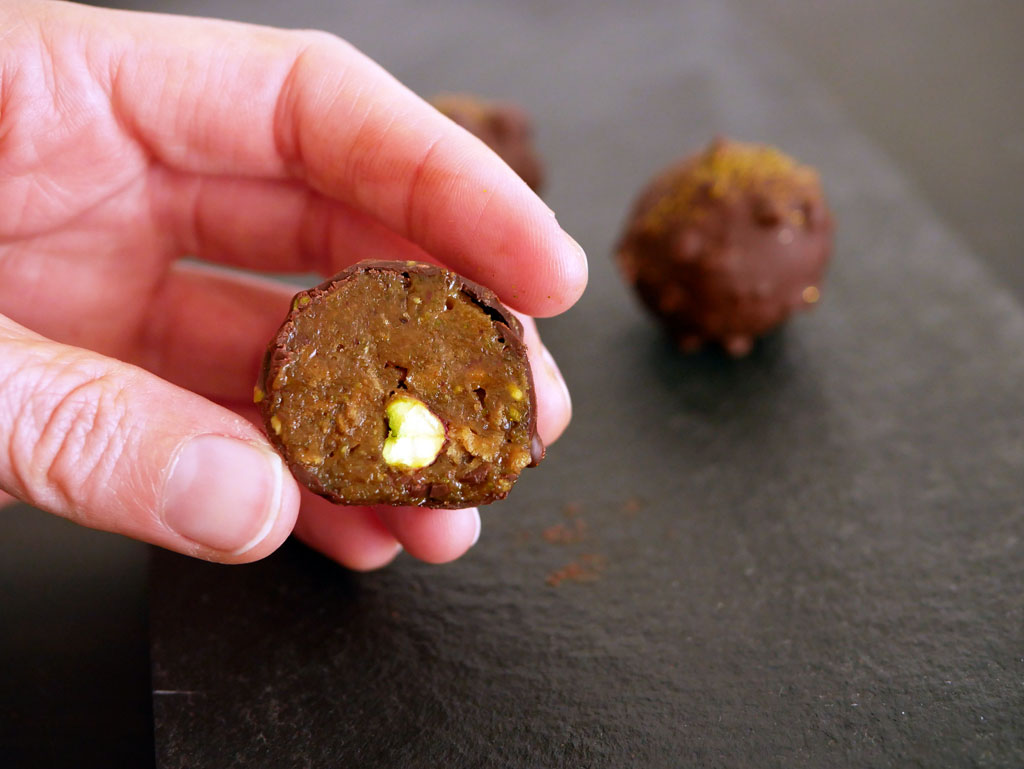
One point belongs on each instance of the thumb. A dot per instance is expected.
(113, 447)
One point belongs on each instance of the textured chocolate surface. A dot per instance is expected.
(381, 331)
(504, 127)
(725, 245)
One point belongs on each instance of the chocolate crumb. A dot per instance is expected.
(587, 568)
(572, 509)
(562, 534)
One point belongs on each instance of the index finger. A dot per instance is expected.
(242, 100)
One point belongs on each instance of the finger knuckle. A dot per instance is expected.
(69, 439)
(318, 37)
(317, 62)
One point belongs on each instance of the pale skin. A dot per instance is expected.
(128, 141)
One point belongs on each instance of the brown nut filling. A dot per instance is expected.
(400, 383)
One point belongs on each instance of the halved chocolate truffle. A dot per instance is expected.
(725, 245)
(503, 126)
(401, 383)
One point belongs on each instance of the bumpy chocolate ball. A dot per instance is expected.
(502, 126)
(725, 245)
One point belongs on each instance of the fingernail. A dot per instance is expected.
(556, 376)
(479, 526)
(223, 493)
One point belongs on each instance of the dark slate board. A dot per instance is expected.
(812, 557)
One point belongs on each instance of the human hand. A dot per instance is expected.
(130, 140)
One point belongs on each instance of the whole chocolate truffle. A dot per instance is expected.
(725, 245)
(502, 126)
(401, 383)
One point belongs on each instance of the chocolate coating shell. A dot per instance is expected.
(378, 331)
(725, 245)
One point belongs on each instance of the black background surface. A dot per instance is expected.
(811, 557)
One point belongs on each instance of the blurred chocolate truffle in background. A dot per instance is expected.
(502, 126)
(723, 246)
